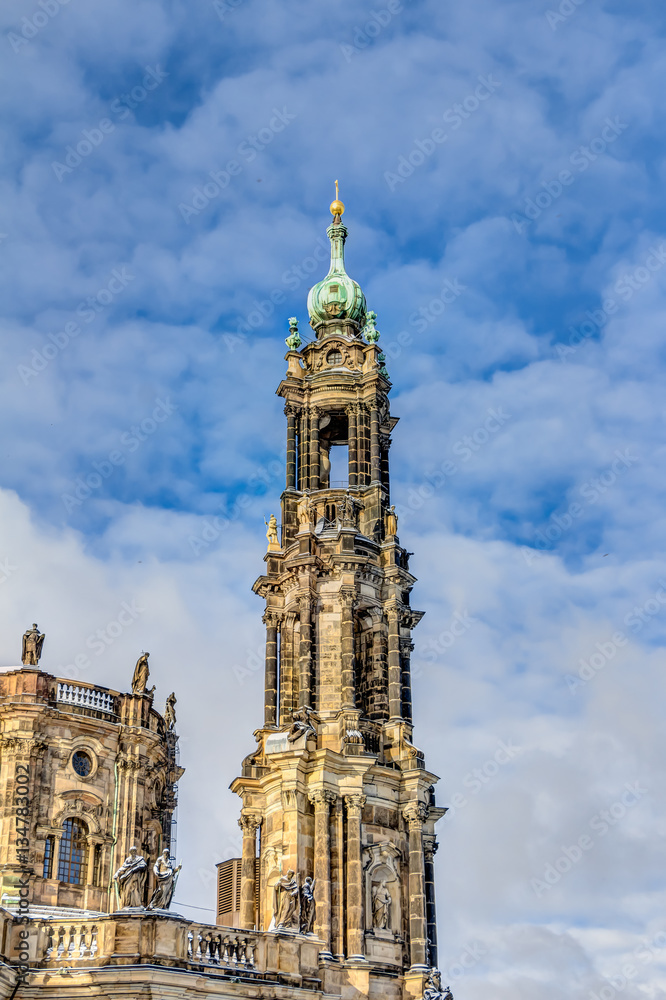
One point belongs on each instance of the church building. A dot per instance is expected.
(335, 891)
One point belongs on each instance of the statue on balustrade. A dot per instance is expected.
(140, 678)
(381, 906)
(272, 533)
(170, 712)
(302, 725)
(130, 879)
(434, 989)
(32, 647)
(285, 901)
(166, 877)
(308, 905)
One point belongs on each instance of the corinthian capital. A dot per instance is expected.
(415, 813)
(354, 802)
(322, 797)
(249, 821)
(271, 618)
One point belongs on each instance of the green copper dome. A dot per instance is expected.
(337, 296)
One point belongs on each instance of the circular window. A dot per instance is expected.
(334, 358)
(82, 763)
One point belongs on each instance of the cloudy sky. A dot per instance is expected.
(168, 170)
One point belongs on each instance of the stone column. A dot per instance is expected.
(270, 620)
(406, 647)
(305, 653)
(394, 669)
(315, 414)
(321, 800)
(348, 694)
(249, 822)
(385, 444)
(338, 881)
(375, 453)
(379, 695)
(303, 445)
(353, 445)
(429, 850)
(355, 930)
(291, 446)
(415, 815)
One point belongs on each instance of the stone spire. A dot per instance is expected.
(336, 790)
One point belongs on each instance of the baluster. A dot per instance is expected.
(199, 954)
(251, 947)
(83, 944)
(50, 940)
(61, 941)
(93, 941)
(224, 957)
(190, 939)
(71, 946)
(215, 949)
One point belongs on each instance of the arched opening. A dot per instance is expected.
(72, 854)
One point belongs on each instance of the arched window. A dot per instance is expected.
(72, 855)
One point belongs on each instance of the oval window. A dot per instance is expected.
(334, 357)
(82, 763)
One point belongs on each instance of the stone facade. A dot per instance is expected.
(96, 770)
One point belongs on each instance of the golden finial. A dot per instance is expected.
(337, 208)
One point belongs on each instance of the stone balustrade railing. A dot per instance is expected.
(84, 696)
(144, 937)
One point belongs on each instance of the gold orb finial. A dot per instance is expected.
(337, 208)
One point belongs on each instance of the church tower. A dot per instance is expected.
(336, 791)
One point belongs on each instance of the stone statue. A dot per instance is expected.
(303, 510)
(391, 521)
(166, 877)
(302, 725)
(141, 672)
(272, 533)
(285, 901)
(32, 646)
(434, 989)
(130, 879)
(308, 905)
(381, 906)
(170, 712)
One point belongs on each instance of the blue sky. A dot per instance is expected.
(502, 164)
